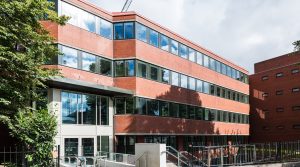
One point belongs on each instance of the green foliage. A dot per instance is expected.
(296, 45)
(24, 47)
(36, 130)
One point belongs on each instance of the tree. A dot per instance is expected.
(25, 46)
(296, 45)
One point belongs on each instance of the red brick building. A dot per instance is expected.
(150, 85)
(275, 99)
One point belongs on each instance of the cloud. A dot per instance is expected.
(244, 32)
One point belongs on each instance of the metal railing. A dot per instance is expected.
(142, 158)
(117, 157)
(177, 157)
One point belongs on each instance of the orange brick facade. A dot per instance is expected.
(273, 101)
(140, 125)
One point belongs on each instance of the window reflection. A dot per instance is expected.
(174, 47)
(183, 51)
(164, 43)
(175, 78)
(88, 21)
(69, 57)
(105, 29)
(88, 62)
(118, 31)
(153, 38)
(183, 81)
(129, 30)
(165, 76)
(141, 32)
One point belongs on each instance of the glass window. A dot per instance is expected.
(192, 55)
(212, 89)
(104, 114)
(218, 91)
(191, 112)
(130, 105)
(153, 73)
(206, 114)
(164, 108)
(69, 108)
(199, 87)
(238, 75)
(223, 92)
(165, 75)
(87, 146)
(225, 116)
(233, 74)
(118, 31)
(88, 109)
(130, 68)
(105, 67)
(212, 115)
(152, 107)
(164, 42)
(175, 78)
(88, 21)
(120, 105)
(206, 87)
(71, 146)
(278, 75)
(88, 62)
(119, 68)
(104, 143)
(192, 83)
(199, 113)
(142, 70)
(183, 51)
(69, 57)
(105, 29)
(174, 47)
(228, 71)
(183, 111)
(73, 12)
(205, 61)
(153, 38)
(212, 64)
(141, 106)
(129, 30)
(141, 32)
(174, 109)
(183, 81)
(223, 69)
(199, 58)
(295, 71)
(218, 66)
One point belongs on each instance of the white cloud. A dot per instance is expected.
(244, 32)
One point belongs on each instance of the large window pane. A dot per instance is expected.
(88, 21)
(71, 146)
(212, 89)
(175, 78)
(183, 81)
(164, 108)
(191, 112)
(174, 109)
(105, 29)
(120, 105)
(223, 69)
(105, 143)
(212, 64)
(89, 109)
(153, 38)
(104, 111)
(141, 32)
(205, 87)
(192, 83)
(105, 67)
(69, 57)
(130, 67)
(183, 111)
(164, 42)
(153, 73)
(119, 68)
(233, 73)
(165, 76)
(218, 66)
(199, 87)
(130, 103)
(199, 58)
(69, 108)
(228, 71)
(174, 47)
(118, 31)
(88, 62)
(183, 51)
(205, 61)
(129, 30)
(73, 12)
(152, 107)
(192, 55)
(87, 147)
(142, 70)
(199, 113)
(141, 106)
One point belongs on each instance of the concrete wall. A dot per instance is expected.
(150, 155)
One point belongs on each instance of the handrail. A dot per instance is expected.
(177, 157)
(138, 159)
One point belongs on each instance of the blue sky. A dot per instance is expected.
(243, 31)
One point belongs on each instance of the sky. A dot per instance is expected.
(242, 31)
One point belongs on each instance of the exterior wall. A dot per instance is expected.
(268, 124)
(78, 131)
